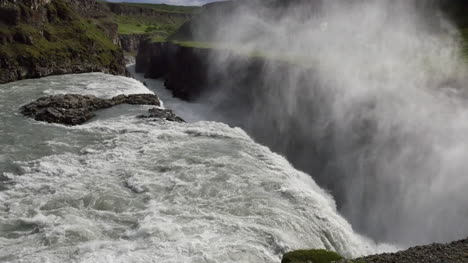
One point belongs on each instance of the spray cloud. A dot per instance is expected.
(365, 96)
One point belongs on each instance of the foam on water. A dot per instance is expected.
(97, 84)
(122, 189)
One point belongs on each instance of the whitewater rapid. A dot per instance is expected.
(122, 189)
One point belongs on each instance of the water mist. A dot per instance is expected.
(366, 96)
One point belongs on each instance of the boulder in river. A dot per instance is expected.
(162, 114)
(75, 109)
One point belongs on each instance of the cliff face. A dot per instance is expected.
(128, 10)
(33, 4)
(184, 69)
(152, 59)
(46, 37)
(131, 42)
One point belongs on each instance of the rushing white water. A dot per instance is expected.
(122, 189)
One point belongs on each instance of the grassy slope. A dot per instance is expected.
(159, 27)
(68, 38)
(166, 8)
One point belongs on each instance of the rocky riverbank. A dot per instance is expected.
(75, 109)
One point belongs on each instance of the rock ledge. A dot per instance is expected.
(75, 109)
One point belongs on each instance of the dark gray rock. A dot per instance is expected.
(75, 109)
(455, 252)
(130, 43)
(64, 116)
(162, 114)
(137, 99)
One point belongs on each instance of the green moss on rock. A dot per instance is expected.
(58, 41)
(311, 256)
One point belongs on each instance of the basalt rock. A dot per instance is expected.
(75, 109)
(455, 252)
(161, 114)
(131, 42)
(136, 99)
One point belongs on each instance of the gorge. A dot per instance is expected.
(336, 125)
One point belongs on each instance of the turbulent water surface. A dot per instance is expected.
(122, 189)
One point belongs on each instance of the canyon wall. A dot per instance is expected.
(130, 10)
(131, 42)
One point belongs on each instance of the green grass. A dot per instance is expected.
(166, 8)
(161, 26)
(194, 44)
(311, 256)
(70, 38)
(130, 26)
(126, 28)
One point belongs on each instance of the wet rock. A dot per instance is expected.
(75, 109)
(64, 116)
(313, 256)
(137, 99)
(162, 114)
(454, 252)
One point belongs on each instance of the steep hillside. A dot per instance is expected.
(46, 37)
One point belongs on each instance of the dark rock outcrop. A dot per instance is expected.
(136, 99)
(134, 10)
(75, 109)
(131, 42)
(156, 113)
(313, 255)
(455, 252)
(190, 72)
(152, 59)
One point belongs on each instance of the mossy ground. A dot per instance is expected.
(158, 27)
(166, 8)
(63, 37)
(311, 256)
(164, 26)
